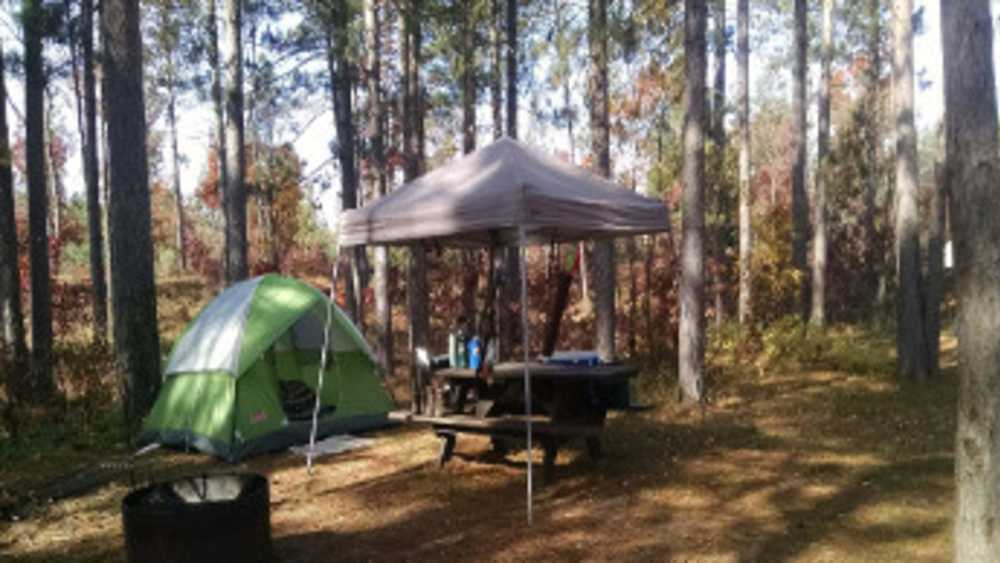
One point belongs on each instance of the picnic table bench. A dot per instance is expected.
(567, 404)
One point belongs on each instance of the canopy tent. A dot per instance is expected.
(245, 375)
(488, 196)
(505, 194)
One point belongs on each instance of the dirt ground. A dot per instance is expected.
(785, 465)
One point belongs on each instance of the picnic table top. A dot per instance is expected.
(538, 370)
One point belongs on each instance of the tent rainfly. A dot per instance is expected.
(505, 194)
(243, 377)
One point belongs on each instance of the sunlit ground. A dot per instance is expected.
(792, 461)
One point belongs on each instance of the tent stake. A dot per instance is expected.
(322, 368)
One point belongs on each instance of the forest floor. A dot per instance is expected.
(810, 450)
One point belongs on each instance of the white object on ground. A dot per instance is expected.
(333, 445)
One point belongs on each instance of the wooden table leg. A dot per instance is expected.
(499, 446)
(447, 446)
(551, 448)
(594, 448)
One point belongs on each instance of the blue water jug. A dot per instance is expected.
(475, 352)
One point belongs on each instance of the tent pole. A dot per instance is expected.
(524, 343)
(322, 367)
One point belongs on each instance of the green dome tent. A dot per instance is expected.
(243, 376)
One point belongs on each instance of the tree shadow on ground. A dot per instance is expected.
(846, 466)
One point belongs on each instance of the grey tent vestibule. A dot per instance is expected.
(504, 194)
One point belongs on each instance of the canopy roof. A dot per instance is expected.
(487, 196)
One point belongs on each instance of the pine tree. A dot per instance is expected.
(692, 290)
(41, 294)
(817, 315)
(13, 350)
(137, 342)
(911, 340)
(743, 114)
(971, 171)
(236, 195)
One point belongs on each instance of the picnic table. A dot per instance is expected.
(568, 402)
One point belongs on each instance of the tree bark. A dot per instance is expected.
(800, 204)
(817, 315)
(496, 73)
(376, 135)
(971, 151)
(137, 341)
(873, 253)
(236, 195)
(911, 339)
(337, 35)
(14, 358)
(91, 172)
(935, 269)
(467, 75)
(42, 386)
(719, 138)
(512, 69)
(512, 263)
(57, 192)
(743, 118)
(600, 127)
(176, 159)
(416, 289)
(692, 291)
(220, 125)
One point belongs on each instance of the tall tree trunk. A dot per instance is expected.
(137, 340)
(512, 264)
(633, 307)
(236, 195)
(337, 35)
(41, 294)
(467, 55)
(600, 127)
(14, 358)
(719, 139)
(91, 172)
(800, 205)
(416, 289)
(176, 158)
(817, 315)
(512, 68)
(692, 291)
(106, 197)
(496, 72)
(220, 125)
(971, 150)
(647, 299)
(57, 192)
(911, 339)
(743, 118)
(376, 134)
(872, 240)
(935, 269)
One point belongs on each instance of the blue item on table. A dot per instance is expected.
(574, 358)
(475, 352)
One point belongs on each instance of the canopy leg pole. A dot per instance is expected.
(322, 368)
(527, 375)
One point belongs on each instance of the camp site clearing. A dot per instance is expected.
(821, 459)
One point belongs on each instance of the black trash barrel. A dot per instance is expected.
(208, 518)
